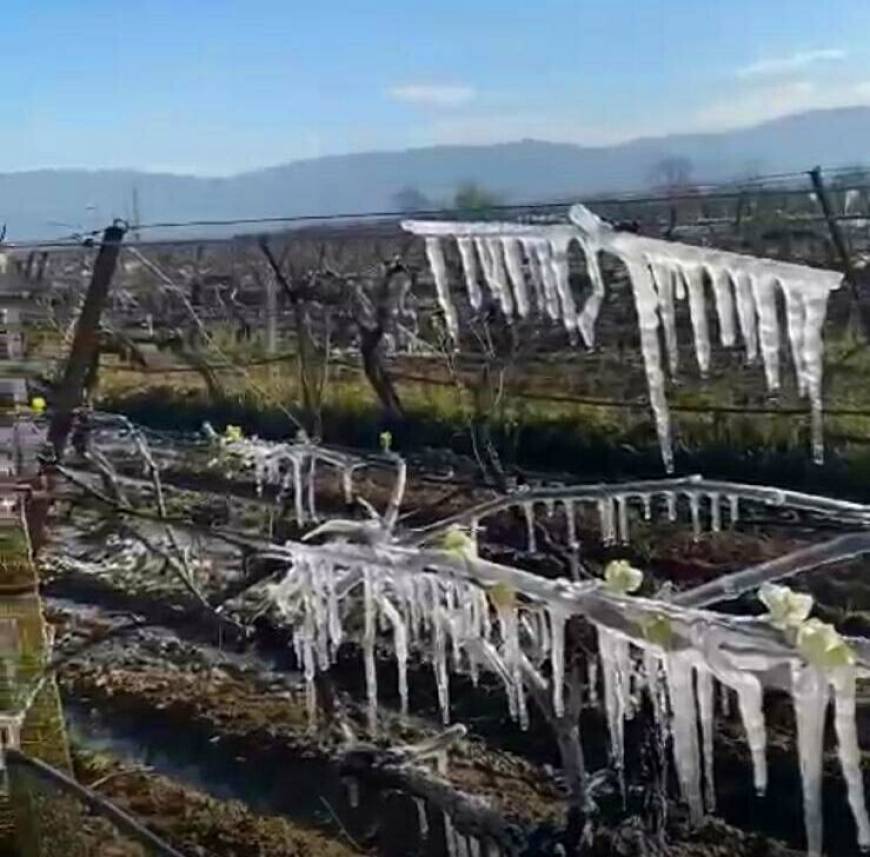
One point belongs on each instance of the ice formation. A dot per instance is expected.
(711, 504)
(290, 467)
(469, 614)
(514, 256)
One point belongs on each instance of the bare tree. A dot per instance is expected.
(672, 174)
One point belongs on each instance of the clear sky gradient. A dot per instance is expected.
(214, 87)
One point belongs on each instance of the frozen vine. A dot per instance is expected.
(471, 615)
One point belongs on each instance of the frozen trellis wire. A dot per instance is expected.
(745, 291)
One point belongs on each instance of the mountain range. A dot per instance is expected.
(48, 203)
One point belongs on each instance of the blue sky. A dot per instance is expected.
(218, 87)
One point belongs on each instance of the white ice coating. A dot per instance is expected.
(492, 261)
(679, 673)
(705, 689)
(693, 276)
(608, 521)
(613, 649)
(291, 467)
(443, 612)
(660, 272)
(470, 271)
(557, 658)
(715, 512)
(810, 695)
(622, 518)
(663, 279)
(734, 508)
(529, 514)
(514, 262)
(695, 511)
(435, 254)
(535, 273)
(843, 684)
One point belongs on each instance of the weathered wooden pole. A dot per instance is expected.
(69, 393)
(841, 247)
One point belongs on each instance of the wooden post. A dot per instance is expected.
(68, 394)
(271, 306)
(842, 249)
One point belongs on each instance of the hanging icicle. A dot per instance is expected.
(660, 272)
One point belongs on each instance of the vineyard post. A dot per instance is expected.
(841, 247)
(85, 346)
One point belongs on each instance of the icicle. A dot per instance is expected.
(746, 314)
(616, 665)
(347, 484)
(815, 307)
(312, 486)
(663, 279)
(529, 514)
(608, 521)
(309, 670)
(724, 299)
(647, 506)
(439, 654)
(551, 297)
(734, 508)
(473, 846)
(622, 518)
(492, 848)
(749, 703)
(843, 682)
(694, 277)
(592, 680)
(369, 650)
(695, 511)
(508, 625)
(500, 285)
(764, 290)
(514, 264)
(422, 818)
(559, 262)
(704, 682)
(333, 618)
(449, 837)
(671, 501)
(725, 700)
(795, 323)
(474, 529)
(435, 255)
(589, 314)
(400, 644)
(298, 496)
(646, 304)
(529, 248)
(684, 728)
(461, 845)
(571, 525)
(810, 696)
(715, 512)
(557, 657)
(352, 792)
(470, 270)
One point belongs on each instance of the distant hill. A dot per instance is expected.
(35, 203)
